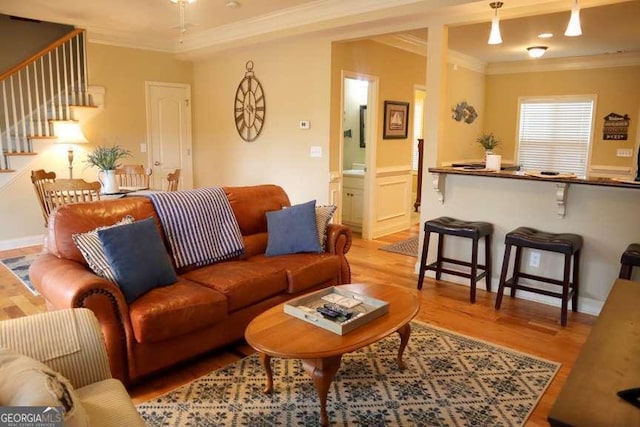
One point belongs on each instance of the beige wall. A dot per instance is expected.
(399, 71)
(618, 91)
(122, 72)
(295, 78)
(459, 137)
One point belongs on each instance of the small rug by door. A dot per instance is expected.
(450, 380)
(19, 266)
(405, 247)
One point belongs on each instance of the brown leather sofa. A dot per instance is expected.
(207, 307)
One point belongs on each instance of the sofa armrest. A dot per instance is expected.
(68, 284)
(339, 243)
(68, 341)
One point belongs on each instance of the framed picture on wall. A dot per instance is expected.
(396, 120)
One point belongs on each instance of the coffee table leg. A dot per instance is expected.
(404, 332)
(266, 363)
(322, 371)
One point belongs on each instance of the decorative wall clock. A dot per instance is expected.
(249, 106)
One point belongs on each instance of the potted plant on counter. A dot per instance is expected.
(488, 142)
(106, 159)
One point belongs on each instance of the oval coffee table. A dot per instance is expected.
(277, 334)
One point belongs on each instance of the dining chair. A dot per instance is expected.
(38, 178)
(66, 191)
(133, 176)
(172, 180)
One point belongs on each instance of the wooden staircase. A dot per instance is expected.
(44, 88)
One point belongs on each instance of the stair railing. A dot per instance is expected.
(40, 89)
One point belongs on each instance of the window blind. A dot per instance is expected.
(555, 134)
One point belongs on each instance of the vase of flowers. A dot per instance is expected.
(106, 159)
(488, 141)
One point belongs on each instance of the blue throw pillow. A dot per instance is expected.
(293, 230)
(138, 257)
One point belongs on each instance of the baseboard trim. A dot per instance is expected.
(585, 305)
(22, 242)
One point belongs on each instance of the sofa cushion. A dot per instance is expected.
(305, 271)
(108, 405)
(138, 258)
(293, 230)
(250, 204)
(28, 382)
(175, 310)
(242, 282)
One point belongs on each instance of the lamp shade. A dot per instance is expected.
(68, 132)
(494, 36)
(574, 29)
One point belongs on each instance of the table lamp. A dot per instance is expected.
(69, 132)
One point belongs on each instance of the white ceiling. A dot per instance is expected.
(152, 24)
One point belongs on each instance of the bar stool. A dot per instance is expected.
(630, 258)
(567, 244)
(454, 227)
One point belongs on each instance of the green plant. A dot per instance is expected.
(106, 158)
(488, 141)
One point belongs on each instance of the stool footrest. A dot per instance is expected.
(509, 284)
(445, 270)
(541, 279)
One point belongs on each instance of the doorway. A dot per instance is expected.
(359, 107)
(169, 132)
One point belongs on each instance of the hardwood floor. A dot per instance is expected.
(520, 325)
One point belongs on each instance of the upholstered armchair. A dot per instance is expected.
(65, 347)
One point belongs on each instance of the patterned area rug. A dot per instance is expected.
(19, 266)
(405, 247)
(450, 380)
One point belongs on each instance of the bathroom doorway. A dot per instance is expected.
(358, 145)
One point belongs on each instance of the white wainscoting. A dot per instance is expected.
(391, 201)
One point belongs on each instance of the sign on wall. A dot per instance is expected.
(616, 127)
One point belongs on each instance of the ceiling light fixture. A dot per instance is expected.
(232, 4)
(494, 36)
(182, 4)
(545, 35)
(536, 51)
(573, 29)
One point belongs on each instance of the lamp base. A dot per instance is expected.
(70, 158)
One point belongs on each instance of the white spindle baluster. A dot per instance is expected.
(53, 95)
(58, 87)
(29, 103)
(15, 115)
(66, 83)
(7, 129)
(23, 119)
(37, 98)
(44, 98)
(72, 69)
(82, 75)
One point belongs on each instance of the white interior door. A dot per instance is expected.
(169, 132)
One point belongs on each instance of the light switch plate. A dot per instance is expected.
(143, 148)
(316, 151)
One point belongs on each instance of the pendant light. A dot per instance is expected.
(573, 29)
(494, 36)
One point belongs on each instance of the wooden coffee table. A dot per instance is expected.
(277, 334)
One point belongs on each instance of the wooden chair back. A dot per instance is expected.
(133, 176)
(173, 179)
(38, 178)
(66, 191)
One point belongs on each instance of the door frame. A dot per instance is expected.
(370, 151)
(186, 163)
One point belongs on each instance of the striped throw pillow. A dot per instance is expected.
(323, 216)
(91, 249)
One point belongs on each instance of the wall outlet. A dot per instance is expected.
(624, 152)
(534, 259)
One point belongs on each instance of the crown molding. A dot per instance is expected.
(565, 64)
(469, 62)
(406, 42)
